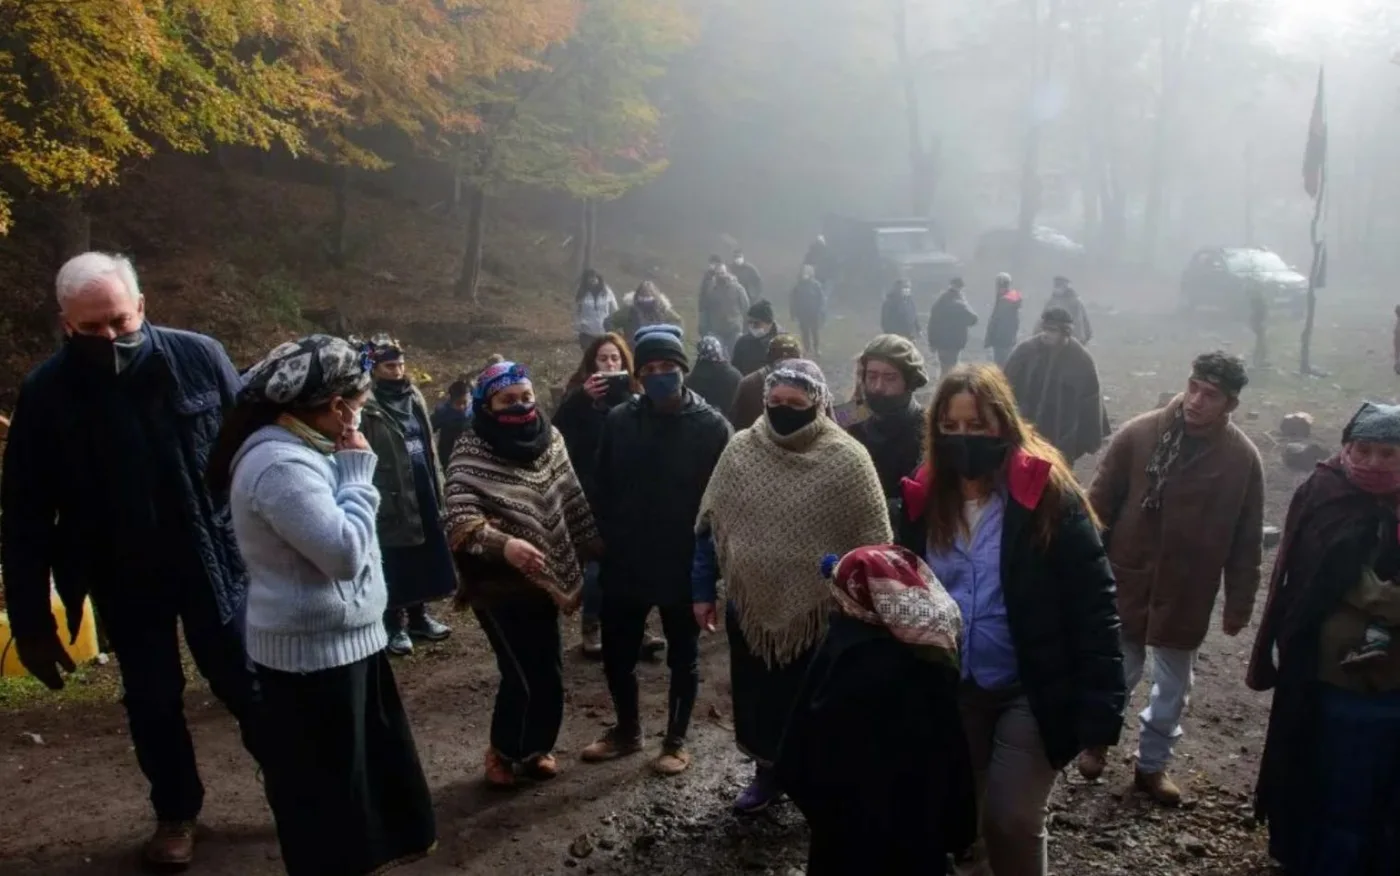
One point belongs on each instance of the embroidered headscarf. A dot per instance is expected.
(1374, 424)
(803, 374)
(891, 587)
(306, 373)
(496, 378)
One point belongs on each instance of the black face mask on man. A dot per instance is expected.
(112, 355)
(971, 457)
(888, 405)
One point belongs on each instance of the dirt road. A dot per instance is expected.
(75, 804)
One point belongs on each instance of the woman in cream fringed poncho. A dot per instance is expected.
(788, 490)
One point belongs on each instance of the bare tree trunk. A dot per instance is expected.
(922, 171)
(75, 227)
(1032, 189)
(1176, 16)
(469, 280)
(340, 219)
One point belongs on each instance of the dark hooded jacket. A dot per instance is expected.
(896, 446)
(1060, 605)
(717, 382)
(579, 419)
(950, 321)
(449, 423)
(652, 471)
(1057, 391)
(64, 502)
(899, 315)
(875, 757)
(748, 277)
(1005, 322)
(1332, 529)
(751, 353)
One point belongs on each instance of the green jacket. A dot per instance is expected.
(400, 519)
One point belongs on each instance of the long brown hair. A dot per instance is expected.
(589, 365)
(989, 387)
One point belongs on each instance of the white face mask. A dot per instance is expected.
(758, 331)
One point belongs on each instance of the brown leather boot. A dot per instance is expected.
(1158, 786)
(543, 768)
(1092, 762)
(614, 744)
(498, 770)
(171, 847)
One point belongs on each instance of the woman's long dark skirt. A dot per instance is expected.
(524, 634)
(1354, 824)
(763, 695)
(341, 771)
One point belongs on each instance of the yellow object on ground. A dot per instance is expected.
(83, 649)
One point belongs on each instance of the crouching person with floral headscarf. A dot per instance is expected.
(522, 531)
(790, 488)
(874, 753)
(341, 770)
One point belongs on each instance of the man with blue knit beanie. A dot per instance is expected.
(655, 457)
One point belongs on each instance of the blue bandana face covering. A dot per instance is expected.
(662, 387)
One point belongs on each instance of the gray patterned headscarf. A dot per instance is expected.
(307, 372)
(804, 374)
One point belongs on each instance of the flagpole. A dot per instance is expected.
(1317, 140)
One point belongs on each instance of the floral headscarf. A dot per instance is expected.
(803, 374)
(890, 587)
(710, 349)
(307, 372)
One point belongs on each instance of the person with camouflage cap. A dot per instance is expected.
(1180, 492)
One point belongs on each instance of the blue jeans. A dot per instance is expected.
(592, 593)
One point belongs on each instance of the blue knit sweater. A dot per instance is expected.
(305, 525)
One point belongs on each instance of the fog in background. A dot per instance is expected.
(1143, 128)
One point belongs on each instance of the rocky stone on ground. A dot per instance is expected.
(1302, 456)
(1296, 426)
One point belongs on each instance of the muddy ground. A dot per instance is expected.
(73, 802)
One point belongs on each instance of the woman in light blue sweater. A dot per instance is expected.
(341, 769)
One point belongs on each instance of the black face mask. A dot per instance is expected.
(517, 433)
(889, 405)
(971, 457)
(106, 354)
(786, 420)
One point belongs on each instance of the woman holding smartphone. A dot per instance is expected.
(603, 381)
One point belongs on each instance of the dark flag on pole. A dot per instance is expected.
(1316, 155)
(1315, 184)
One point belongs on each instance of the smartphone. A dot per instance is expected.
(619, 382)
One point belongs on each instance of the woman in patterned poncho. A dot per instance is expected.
(790, 488)
(521, 531)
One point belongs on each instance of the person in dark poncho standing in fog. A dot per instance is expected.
(580, 419)
(1004, 325)
(342, 773)
(1057, 387)
(808, 307)
(751, 350)
(899, 315)
(521, 531)
(950, 321)
(747, 275)
(417, 562)
(1329, 779)
(713, 378)
(890, 371)
(874, 754)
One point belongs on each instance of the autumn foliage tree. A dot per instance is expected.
(87, 86)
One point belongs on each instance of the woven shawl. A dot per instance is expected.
(491, 500)
(776, 506)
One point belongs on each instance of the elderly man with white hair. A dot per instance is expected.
(103, 493)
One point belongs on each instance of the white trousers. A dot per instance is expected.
(1172, 675)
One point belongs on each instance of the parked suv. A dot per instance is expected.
(1226, 278)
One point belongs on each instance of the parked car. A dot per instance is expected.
(1227, 277)
(870, 254)
(1051, 253)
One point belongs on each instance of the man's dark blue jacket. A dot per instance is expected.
(54, 517)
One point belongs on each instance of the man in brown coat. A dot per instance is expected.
(1057, 386)
(748, 399)
(1180, 492)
